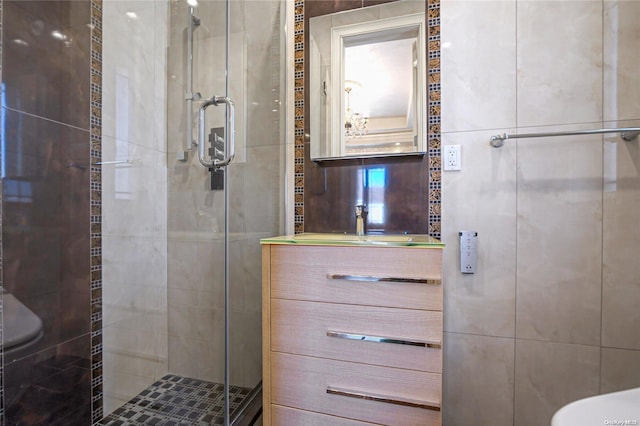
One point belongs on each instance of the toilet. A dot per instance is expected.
(617, 408)
(22, 329)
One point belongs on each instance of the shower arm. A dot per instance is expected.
(230, 133)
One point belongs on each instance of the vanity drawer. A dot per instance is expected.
(333, 387)
(348, 274)
(328, 330)
(285, 416)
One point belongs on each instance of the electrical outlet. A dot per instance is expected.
(451, 158)
(468, 251)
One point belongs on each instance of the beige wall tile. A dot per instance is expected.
(620, 370)
(197, 358)
(621, 244)
(478, 380)
(484, 302)
(553, 91)
(621, 61)
(550, 375)
(559, 239)
(128, 62)
(478, 65)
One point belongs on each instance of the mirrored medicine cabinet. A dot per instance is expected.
(367, 82)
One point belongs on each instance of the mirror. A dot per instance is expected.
(367, 82)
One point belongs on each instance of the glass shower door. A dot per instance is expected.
(236, 61)
(201, 358)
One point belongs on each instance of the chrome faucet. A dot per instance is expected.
(361, 218)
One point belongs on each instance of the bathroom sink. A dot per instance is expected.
(617, 408)
(352, 239)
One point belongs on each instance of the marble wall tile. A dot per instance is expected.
(198, 358)
(184, 273)
(621, 64)
(487, 206)
(245, 362)
(45, 75)
(334, 188)
(472, 366)
(45, 203)
(620, 370)
(478, 65)
(557, 92)
(161, 40)
(559, 239)
(262, 188)
(550, 375)
(621, 241)
(133, 194)
(50, 386)
(135, 260)
(129, 86)
(119, 388)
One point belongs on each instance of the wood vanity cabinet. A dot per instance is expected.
(352, 335)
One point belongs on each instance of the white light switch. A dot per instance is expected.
(468, 252)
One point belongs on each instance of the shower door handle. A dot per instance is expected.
(231, 133)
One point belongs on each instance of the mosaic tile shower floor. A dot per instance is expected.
(177, 401)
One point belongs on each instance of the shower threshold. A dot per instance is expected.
(179, 401)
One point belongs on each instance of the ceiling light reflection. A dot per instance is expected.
(20, 42)
(58, 35)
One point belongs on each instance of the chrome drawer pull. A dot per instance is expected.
(435, 406)
(380, 339)
(369, 278)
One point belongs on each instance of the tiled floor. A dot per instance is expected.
(175, 400)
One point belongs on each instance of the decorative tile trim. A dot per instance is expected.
(2, 402)
(433, 116)
(96, 211)
(298, 118)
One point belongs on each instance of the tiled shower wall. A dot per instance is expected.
(551, 315)
(196, 224)
(134, 194)
(51, 207)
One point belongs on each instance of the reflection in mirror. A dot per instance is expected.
(380, 85)
(367, 90)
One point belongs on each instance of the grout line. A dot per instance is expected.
(602, 203)
(515, 269)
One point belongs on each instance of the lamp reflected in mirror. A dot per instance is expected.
(355, 123)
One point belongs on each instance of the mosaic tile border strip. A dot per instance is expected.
(433, 116)
(1, 274)
(434, 90)
(96, 211)
(298, 34)
(176, 400)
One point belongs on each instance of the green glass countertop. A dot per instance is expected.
(401, 240)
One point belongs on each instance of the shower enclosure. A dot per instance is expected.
(130, 279)
(181, 251)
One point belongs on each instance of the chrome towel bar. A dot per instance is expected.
(628, 134)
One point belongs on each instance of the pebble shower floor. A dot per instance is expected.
(177, 401)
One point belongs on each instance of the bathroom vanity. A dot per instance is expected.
(352, 329)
